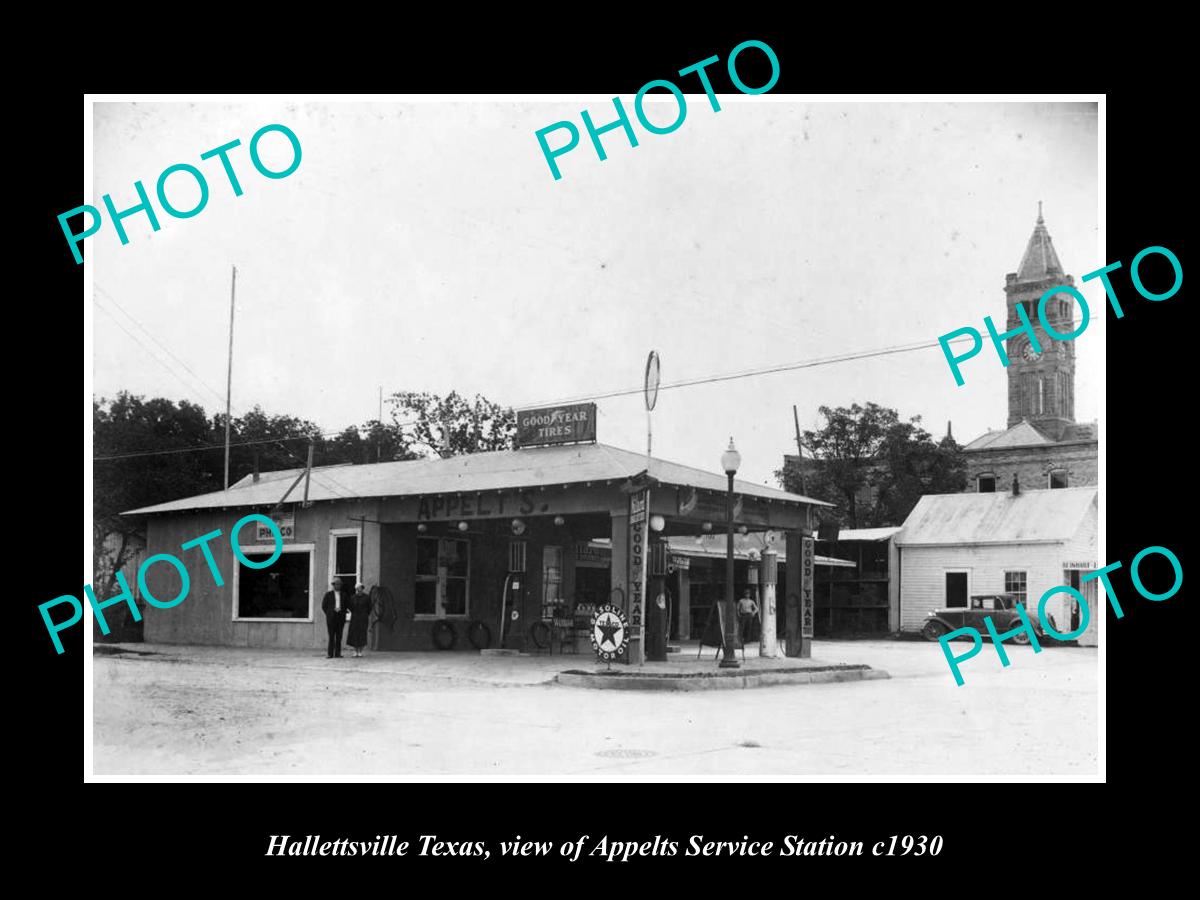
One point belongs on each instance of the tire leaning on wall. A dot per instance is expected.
(539, 633)
(444, 635)
(479, 635)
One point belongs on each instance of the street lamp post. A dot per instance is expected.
(730, 461)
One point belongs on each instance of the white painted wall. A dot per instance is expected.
(923, 580)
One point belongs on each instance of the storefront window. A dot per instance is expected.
(282, 591)
(443, 577)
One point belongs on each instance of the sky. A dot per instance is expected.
(425, 246)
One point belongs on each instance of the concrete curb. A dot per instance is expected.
(713, 681)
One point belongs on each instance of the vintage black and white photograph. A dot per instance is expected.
(526, 438)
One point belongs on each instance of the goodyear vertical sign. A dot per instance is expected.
(807, 553)
(639, 506)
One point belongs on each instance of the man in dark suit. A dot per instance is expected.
(334, 607)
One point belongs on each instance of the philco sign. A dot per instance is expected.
(556, 425)
(285, 522)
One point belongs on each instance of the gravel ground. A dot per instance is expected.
(178, 711)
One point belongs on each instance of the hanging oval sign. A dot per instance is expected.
(652, 378)
(610, 631)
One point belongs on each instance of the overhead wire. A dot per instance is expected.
(113, 300)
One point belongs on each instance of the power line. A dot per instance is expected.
(749, 373)
(133, 337)
(692, 382)
(350, 495)
(166, 349)
(201, 447)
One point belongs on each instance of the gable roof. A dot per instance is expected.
(1000, 518)
(500, 470)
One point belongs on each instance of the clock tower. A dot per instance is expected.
(1041, 385)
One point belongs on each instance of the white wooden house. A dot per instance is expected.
(953, 546)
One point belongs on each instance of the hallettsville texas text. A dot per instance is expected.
(602, 847)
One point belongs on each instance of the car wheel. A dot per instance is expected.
(1021, 637)
(933, 631)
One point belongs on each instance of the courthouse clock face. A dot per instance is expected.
(1028, 353)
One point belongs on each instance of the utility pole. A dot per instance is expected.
(378, 435)
(229, 375)
(308, 474)
(799, 449)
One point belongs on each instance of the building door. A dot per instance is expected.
(1072, 579)
(956, 589)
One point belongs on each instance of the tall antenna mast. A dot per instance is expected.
(229, 376)
(799, 449)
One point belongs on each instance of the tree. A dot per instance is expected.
(373, 441)
(134, 433)
(874, 466)
(450, 425)
(266, 442)
(912, 466)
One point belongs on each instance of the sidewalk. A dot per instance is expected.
(470, 667)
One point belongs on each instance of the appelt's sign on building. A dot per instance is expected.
(570, 424)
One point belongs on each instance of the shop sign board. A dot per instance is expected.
(568, 424)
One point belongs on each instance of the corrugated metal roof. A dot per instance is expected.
(712, 546)
(868, 534)
(1001, 518)
(500, 470)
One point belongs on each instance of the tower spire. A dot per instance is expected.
(1039, 261)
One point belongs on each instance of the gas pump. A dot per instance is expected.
(512, 602)
(656, 605)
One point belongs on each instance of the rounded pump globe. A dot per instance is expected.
(731, 460)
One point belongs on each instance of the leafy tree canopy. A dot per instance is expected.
(873, 465)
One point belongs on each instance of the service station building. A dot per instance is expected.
(467, 551)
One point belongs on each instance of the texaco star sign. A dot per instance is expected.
(610, 631)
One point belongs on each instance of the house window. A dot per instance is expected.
(345, 558)
(552, 559)
(1014, 583)
(1058, 478)
(443, 577)
(283, 590)
(987, 484)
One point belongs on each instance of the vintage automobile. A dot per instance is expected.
(1001, 607)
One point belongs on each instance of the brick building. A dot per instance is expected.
(1042, 446)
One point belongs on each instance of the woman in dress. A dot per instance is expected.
(360, 614)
